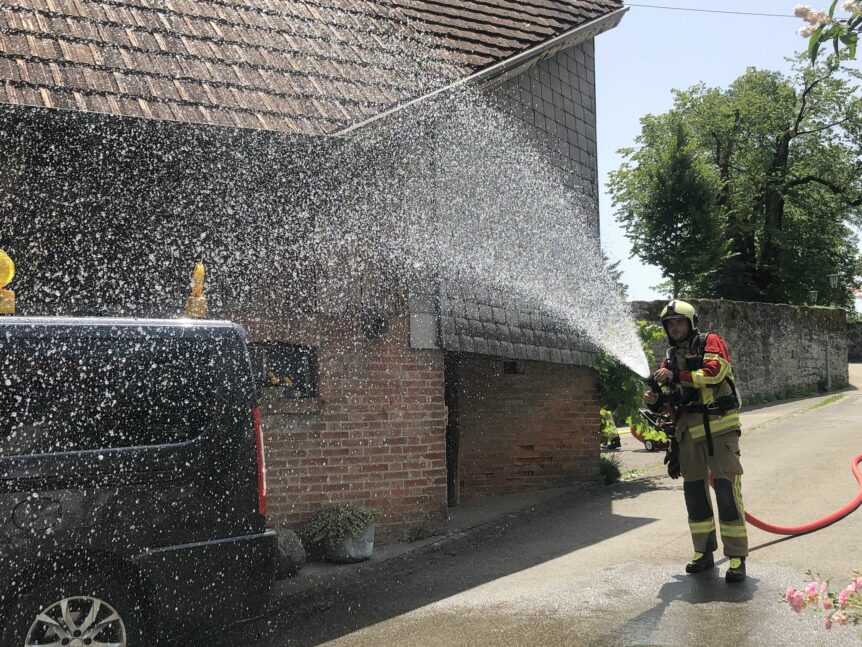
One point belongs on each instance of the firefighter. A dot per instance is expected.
(698, 384)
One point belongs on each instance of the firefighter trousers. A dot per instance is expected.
(726, 468)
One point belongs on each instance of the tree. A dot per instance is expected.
(673, 185)
(616, 274)
(772, 178)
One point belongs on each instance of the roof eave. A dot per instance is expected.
(508, 67)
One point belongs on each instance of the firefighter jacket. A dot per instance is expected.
(706, 376)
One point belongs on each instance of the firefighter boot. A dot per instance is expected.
(700, 562)
(736, 570)
(703, 559)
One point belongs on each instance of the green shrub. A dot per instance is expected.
(607, 426)
(621, 388)
(333, 523)
(609, 468)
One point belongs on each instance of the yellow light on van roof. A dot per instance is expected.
(7, 273)
(196, 305)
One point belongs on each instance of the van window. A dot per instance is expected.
(78, 392)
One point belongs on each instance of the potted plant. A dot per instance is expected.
(341, 532)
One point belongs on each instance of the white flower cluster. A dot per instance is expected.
(813, 18)
(817, 19)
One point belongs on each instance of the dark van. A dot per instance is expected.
(132, 485)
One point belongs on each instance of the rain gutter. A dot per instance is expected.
(509, 66)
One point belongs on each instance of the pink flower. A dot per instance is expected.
(811, 591)
(827, 603)
(840, 618)
(824, 587)
(845, 593)
(827, 621)
(788, 594)
(797, 602)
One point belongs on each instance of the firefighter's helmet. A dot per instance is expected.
(677, 309)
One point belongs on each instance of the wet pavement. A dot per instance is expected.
(602, 566)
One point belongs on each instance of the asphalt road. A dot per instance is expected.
(605, 567)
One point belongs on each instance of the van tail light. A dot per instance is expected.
(261, 462)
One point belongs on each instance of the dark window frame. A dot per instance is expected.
(272, 361)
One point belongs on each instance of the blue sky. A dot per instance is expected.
(655, 50)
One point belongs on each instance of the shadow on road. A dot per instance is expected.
(704, 588)
(379, 591)
(773, 542)
(638, 486)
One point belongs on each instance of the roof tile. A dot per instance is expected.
(300, 66)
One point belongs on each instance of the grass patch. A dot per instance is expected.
(609, 468)
(829, 400)
(628, 475)
(790, 393)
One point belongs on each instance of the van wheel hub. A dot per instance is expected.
(77, 621)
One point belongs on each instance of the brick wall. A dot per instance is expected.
(556, 100)
(375, 434)
(526, 431)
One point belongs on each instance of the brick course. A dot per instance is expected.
(526, 431)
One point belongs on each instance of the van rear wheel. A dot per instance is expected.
(77, 610)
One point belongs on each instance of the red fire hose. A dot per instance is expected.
(808, 527)
(820, 523)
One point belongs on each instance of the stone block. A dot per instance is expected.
(466, 344)
(480, 346)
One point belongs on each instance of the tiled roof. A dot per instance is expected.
(472, 319)
(308, 67)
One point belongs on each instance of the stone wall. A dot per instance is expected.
(854, 342)
(777, 350)
(529, 428)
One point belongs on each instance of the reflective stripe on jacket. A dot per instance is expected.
(710, 380)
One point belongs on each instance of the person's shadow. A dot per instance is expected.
(701, 588)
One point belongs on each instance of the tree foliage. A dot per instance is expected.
(678, 189)
(621, 389)
(748, 192)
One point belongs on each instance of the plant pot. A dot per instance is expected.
(354, 548)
